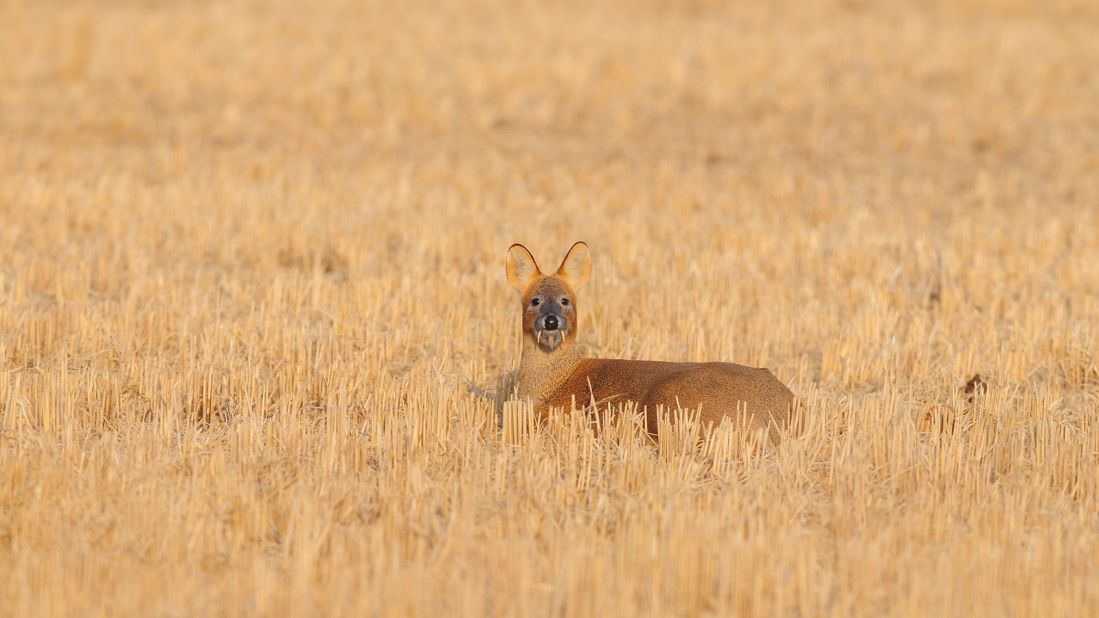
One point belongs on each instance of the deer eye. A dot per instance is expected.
(535, 302)
(564, 301)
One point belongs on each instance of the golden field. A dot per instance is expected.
(254, 319)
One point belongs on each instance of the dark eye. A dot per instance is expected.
(564, 301)
(534, 303)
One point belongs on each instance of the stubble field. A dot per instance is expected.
(253, 315)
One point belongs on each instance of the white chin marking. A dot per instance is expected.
(549, 339)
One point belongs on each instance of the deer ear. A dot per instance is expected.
(521, 268)
(576, 267)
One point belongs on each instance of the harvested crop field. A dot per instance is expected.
(254, 324)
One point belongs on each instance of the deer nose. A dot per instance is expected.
(550, 323)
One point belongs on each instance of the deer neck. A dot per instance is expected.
(541, 371)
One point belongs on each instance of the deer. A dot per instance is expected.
(554, 375)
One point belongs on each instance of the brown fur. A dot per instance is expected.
(560, 377)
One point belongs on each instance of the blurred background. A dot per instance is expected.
(251, 260)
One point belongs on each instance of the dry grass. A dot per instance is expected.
(251, 260)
